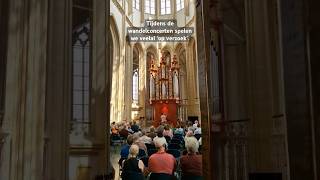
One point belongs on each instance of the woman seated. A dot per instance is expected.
(161, 162)
(191, 163)
(167, 131)
(132, 167)
(179, 130)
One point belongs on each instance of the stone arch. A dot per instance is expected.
(115, 61)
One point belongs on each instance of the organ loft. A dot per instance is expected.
(164, 89)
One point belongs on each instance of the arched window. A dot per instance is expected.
(81, 59)
(150, 7)
(135, 86)
(180, 4)
(136, 4)
(165, 7)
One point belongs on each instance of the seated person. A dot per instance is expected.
(125, 149)
(159, 135)
(135, 128)
(198, 130)
(161, 162)
(114, 129)
(191, 163)
(152, 133)
(144, 138)
(124, 131)
(195, 125)
(179, 130)
(167, 131)
(140, 144)
(132, 167)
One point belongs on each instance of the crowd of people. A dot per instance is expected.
(164, 152)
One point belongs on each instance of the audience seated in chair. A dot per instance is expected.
(144, 138)
(162, 162)
(132, 167)
(152, 133)
(125, 149)
(135, 128)
(191, 163)
(136, 140)
(167, 131)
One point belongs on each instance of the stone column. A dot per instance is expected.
(299, 41)
(99, 98)
(58, 90)
(24, 120)
(128, 81)
(263, 92)
(203, 49)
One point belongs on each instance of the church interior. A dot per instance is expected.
(239, 100)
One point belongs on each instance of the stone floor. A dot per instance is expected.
(115, 156)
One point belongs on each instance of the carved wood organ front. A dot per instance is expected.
(164, 86)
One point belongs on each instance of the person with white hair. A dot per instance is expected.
(191, 163)
(144, 138)
(132, 167)
(161, 162)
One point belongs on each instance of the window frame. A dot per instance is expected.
(179, 4)
(85, 64)
(150, 7)
(136, 4)
(166, 8)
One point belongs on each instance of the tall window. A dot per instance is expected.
(150, 7)
(165, 7)
(135, 76)
(180, 4)
(135, 86)
(136, 4)
(81, 57)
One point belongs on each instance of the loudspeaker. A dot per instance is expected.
(265, 176)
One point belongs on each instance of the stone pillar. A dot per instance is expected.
(203, 49)
(299, 42)
(266, 132)
(100, 97)
(24, 120)
(58, 90)
(314, 66)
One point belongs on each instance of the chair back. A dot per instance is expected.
(174, 146)
(197, 136)
(151, 151)
(191, 177)
(174, 152)
(142, 153)
(145, 160)
(161, 176)
(178, 136)
(168, 138)
(175, 140)
(150, 146)
(131, 175)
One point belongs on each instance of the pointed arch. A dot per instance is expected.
(115, 60)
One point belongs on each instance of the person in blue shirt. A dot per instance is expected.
(124, 153)
(125, 148)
